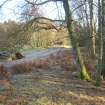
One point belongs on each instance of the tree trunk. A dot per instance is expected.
(100, 48)
(103, 37)
(92, 35)
(84, 75)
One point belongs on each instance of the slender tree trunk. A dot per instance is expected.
(94, 39)
(92, 35)
(100, 48)
(103, 37)
(88, 30)
(83, 72)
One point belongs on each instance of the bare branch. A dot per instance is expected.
(43, 24)
(77, 7)
(44, 2)
(4, 3)
(38, 18)
(41, 3)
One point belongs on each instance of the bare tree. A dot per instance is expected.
(69, 20)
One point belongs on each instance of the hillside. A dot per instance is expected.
(50, 80)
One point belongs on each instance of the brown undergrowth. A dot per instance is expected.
(50, 81)
(65, 59)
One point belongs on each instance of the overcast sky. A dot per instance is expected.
(7, 11)
(10, 10)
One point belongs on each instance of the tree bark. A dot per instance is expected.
(103, 38)
(100, 48)
(83, 72)
(92, 28)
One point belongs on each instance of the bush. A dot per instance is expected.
(4, 73)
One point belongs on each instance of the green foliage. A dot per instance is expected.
(12, 36)
(47, 38)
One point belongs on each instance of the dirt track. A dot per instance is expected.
(32, 56)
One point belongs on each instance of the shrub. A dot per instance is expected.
(4, 73)
(21, 68)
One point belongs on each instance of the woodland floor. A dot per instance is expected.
(51, 86)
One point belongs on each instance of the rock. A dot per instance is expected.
(18, 55)
(75, 74)
(4, 55)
